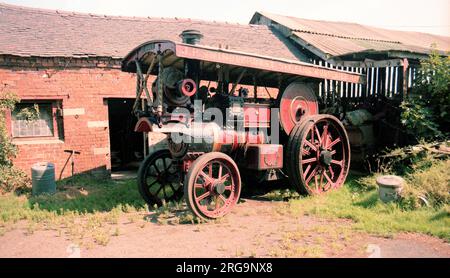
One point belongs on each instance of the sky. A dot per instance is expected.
(430, 16)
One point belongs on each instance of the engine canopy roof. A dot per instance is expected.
(267, 70)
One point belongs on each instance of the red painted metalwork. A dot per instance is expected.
(212, 185)
(256, 116)
(324, 154)
(297, 102)
(143, 125)
(239, 59)
(248, 60)
(187, 87)
(264, 156)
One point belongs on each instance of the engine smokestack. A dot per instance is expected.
(191, 36)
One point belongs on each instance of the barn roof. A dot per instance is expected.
(329, 39)
(46, 33)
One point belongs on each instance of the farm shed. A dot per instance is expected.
(388, 58)
(69, 64)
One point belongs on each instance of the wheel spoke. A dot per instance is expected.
(173, 188)
(326, 187)
(199, 185)
(203, 196)
(159, 190)
(338, 162)
(328, 178)
(318, 135)
(331, 171)
(154, 182)
(305, 173)
(220, 172)
(321, 180)
(224, 177)
(324, 137)
(164, 164)
(164, 191)
(331, 145)
(305, 152)
(309, 160)
(311, 145)
(157, 170)
(207, 178)
(316, 183)
(224, 200)
(313, 173)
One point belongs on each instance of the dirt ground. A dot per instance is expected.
(253, 229)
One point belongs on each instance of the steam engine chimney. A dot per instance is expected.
(191, 36)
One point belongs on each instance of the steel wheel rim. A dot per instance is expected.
(160, 179)
(324, 156)
(214, 177)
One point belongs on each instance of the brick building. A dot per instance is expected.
(69, 65)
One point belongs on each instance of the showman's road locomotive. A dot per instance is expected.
(219, 127)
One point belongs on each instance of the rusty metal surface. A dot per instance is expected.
(239, 59)
(340, 38)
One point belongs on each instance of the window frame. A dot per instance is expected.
(55, 105)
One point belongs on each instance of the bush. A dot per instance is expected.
(13, 179)
(7, 149)
(431, 185)
(425, 113)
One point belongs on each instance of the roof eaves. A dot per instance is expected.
(310, 47)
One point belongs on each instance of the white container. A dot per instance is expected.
(390, 187)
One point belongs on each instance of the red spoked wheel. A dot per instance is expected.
(212, 185)
(159, 179)
(320, 155)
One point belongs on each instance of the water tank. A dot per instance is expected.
(43, 178)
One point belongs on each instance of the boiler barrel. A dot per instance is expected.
(43, 178)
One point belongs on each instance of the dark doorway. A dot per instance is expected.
(127, 146)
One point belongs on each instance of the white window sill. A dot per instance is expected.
(19, 142)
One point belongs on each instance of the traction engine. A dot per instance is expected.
(220, 130)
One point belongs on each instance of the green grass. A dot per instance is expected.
(85, 209)
(369, 214)
(88, 210)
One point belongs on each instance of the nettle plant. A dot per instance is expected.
(425, 113)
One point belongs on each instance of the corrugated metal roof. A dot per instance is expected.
(343, 38)
(47, 33)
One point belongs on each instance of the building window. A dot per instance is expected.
(36, 119)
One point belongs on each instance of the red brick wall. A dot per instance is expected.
(85, 88)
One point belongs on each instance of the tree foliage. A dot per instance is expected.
(425, 113)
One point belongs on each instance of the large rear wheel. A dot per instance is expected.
(319, 155)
